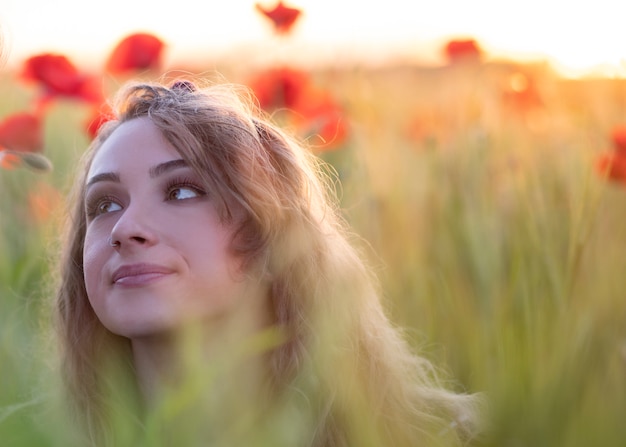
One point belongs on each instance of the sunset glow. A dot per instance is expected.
(577, 37)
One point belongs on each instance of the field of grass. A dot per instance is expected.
(500, 248)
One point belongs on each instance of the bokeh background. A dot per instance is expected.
(481, 149)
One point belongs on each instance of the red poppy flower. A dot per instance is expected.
(21, 132)
(97, 118)
(283, 17)
(313, 111)
(59, 77)
(21, 140)
(136, 52)
(613, 166)
(613, 163)
(618, 137)
(318, 114)
(462, 50)
(279, 87)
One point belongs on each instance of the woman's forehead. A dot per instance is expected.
(137, 142)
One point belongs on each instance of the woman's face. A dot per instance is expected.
(170, 263)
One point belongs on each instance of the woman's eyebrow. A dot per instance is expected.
(104, 177)
(168, 166)
(155, 171)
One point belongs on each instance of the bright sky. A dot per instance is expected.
(579, 35)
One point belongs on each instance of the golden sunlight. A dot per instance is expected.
(578, 38)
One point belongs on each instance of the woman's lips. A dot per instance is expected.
(139, 274)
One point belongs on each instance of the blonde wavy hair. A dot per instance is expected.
(360, 382)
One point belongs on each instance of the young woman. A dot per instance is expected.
(211, 294)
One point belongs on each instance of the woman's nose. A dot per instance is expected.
(134, 227)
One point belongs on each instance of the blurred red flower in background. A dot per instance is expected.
(313, 111)
(136, 52)
(97, 118)
(21, 140)
(318, 114)
(290, 94)
(613, 163)
(283, 17)
(276, 88)
(459, 50)
(618, 136)
(21, 132)
(59, 77)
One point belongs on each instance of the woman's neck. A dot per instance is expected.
(232, 354)
(157, 364)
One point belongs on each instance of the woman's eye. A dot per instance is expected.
(183, 192)
(107, 206)
(102, 206)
